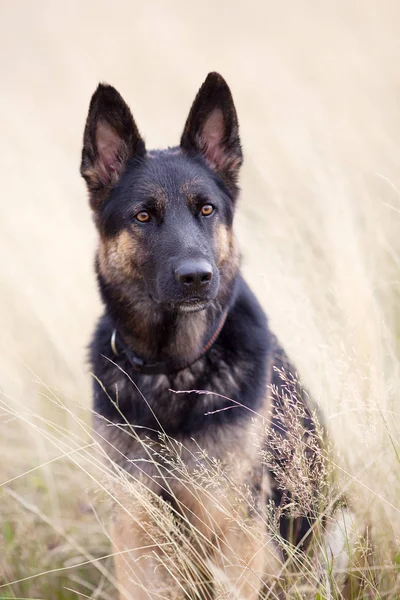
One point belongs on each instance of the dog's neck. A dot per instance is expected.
(175, 361)
(156, 333)
(165, 335)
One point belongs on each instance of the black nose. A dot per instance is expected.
(194, 275)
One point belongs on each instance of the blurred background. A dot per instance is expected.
(317, 89)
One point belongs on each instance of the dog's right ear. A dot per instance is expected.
(111, 138)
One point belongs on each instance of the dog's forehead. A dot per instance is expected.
(168, 175)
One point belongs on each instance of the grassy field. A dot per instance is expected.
(317, 88)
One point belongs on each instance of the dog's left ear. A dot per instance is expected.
(212, 130)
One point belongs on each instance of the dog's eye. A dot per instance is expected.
(207, 210)
(143, 216)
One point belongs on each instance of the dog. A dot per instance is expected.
(183, 359)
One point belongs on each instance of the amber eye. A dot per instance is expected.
(207, 210)
(143, 216)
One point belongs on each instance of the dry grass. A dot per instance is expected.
(316, 87)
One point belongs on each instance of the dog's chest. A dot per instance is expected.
(205, 378)
(196, 413)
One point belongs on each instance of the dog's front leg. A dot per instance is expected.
(246, 558)
(141, 571)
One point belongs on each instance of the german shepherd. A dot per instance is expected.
(179, 317)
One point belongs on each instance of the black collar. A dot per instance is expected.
(168, 366)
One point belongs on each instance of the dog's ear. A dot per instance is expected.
(111, 138)
(212, 129)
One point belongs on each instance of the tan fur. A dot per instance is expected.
(183, 346)
(229, 255)
(245, 557)
(236, 558)
(97, 192)
(140, 575)
(223, 243)
(189, 188)
(158, 195)
(118, 256)
(92, 175)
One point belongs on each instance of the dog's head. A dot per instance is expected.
(165, 217)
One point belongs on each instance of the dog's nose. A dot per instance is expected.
(194, 274)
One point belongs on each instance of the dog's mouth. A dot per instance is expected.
(193, 304)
